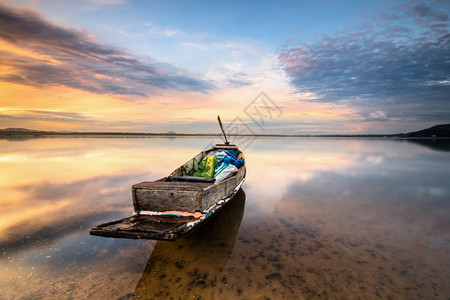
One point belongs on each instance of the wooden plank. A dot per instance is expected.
(146, 227)
(161, 185)
(188, 168)
(167, 199)
(221, 190)
(223, 146)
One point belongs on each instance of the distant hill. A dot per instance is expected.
(18, 130)
(435, 131)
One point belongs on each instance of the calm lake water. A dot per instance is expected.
(316, 218)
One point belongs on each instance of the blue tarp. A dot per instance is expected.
(231, 161)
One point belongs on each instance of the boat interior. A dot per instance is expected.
(185, 173)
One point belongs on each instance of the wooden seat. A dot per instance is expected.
(171, 185)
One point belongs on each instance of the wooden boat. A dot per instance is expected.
(175, 205)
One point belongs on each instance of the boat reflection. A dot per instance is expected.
(193, 265)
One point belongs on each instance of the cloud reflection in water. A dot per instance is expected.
(343, 217)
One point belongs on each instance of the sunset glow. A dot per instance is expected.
(128, 66)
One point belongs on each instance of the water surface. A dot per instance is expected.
(316, 218)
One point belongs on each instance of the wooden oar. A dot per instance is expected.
(223, 131)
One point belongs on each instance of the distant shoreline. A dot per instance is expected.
(31, 134)
(435, 132)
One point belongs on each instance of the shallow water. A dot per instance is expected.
(316, 218)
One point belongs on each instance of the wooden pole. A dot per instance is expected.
(223, 131)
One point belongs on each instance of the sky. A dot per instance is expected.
(266, 67)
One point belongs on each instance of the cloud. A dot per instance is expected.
(44, 54)
(397, 62)
(378, 116)
(424, 11)
(229, 64)
(47, 115)
(38, 118)
(89, 122)
(167, 32)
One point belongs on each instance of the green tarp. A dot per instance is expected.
(206, 167)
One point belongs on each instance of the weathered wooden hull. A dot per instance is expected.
(182, 196)
(166, 209)
(158, 227)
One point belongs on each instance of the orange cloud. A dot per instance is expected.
(38, 53)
